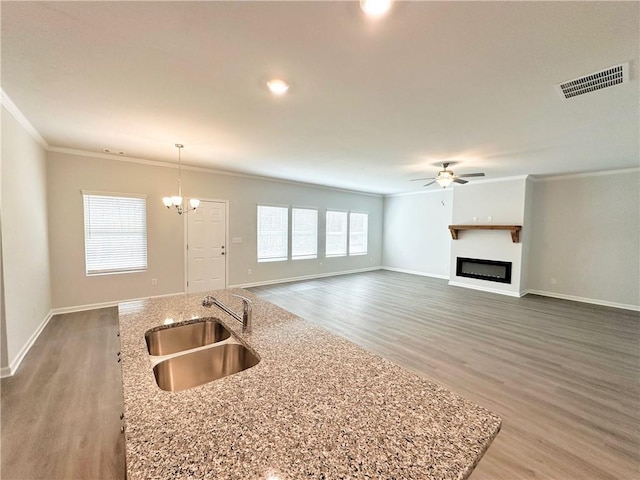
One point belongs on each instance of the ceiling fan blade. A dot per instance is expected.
(418, 179)
(472, 175)
(430, 183)
(458, 180)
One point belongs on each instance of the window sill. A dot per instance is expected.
(118, 272)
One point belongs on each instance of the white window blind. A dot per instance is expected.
(273, 225)
(336, 234)
(304, 233)
(358, 233)
(115, 233)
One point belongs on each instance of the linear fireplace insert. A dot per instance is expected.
(491, 270)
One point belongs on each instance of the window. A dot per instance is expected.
(358, 225)
(336, 234)
(273, 225)
(304, 233)
(115, 233)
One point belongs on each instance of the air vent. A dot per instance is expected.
(595, 81)
(112, 151)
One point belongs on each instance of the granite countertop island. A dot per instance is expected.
(316, 406)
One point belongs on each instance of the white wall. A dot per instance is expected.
(4, 358)
(69, 174)
(25, 250)
(581, 232)
(586, 237)
(416, 237)
(526, 237)
(504, 202)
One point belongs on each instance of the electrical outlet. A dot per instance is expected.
(154, 281)
(475, 219)
(250, 272)
(553, 281)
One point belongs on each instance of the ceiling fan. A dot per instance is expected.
(446, 177)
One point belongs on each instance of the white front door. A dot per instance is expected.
(206, 237)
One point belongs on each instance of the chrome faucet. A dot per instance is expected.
(247, 307)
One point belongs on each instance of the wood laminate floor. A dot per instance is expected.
(564, 376)
(60, 411)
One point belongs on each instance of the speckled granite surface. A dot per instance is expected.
(316, 406)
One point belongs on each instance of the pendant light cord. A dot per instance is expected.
(179, 169)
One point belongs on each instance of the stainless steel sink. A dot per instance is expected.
(204, 366)
(185, 337)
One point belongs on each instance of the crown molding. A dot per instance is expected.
(475, 182)
(419, 192)
(118, 158)
(158, 163)
(15, 112)
(502, 179)
(621, 171)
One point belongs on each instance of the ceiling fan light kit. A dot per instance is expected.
(446, 177)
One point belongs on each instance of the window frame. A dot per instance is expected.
(286, 235)
(366, 234)
(308, 256)
(327, 233)
(142, 260)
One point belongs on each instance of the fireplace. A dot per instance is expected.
(490, 270)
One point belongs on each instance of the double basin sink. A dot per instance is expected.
(190, 365)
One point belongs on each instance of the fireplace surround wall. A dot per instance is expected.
(497, 205)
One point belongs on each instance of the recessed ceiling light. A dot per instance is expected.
(375, 8)
(277, 86)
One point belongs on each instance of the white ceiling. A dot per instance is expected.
(372, 104)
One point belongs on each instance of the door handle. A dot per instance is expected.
(222, 253)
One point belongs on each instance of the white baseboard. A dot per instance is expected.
(113, 303)
(304, 277)
(415, 272)
(15, 363)
(83, 308)
(593, 301)
(486, 289)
